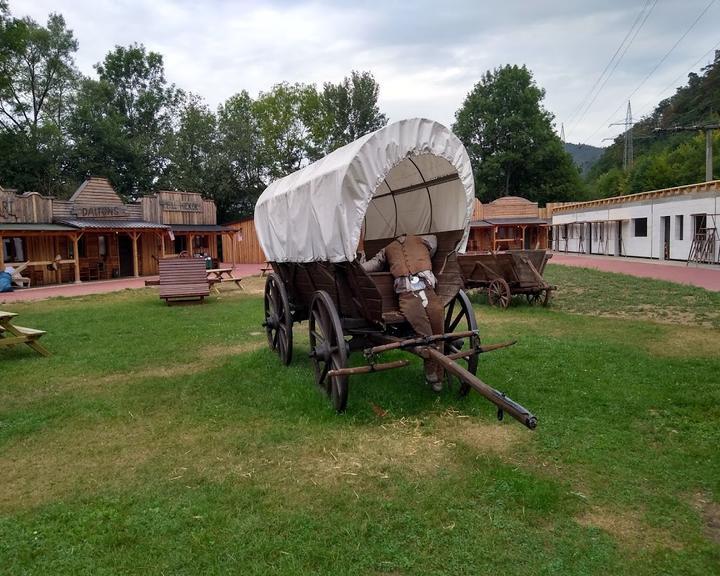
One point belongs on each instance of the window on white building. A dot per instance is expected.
(699, 224)
(679, 223)
(640, 227)
(13, 249)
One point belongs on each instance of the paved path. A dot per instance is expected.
(100, 287)
(704, 276)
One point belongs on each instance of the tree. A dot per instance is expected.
(123, 122)
(238, 168)
(193, 148)
(348, 110)
(37, 77)
(282, 117)
(511, 142)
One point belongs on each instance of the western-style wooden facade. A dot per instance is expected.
(96, 236)
(508, 223)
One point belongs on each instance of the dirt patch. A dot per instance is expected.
(685, 342)
(82, 460)
(710, 513)
(403, 446)
(628, 529)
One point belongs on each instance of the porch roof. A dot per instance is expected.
(16, 227)
(200, 228)
(85, 224)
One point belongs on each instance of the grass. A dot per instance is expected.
(164, 440)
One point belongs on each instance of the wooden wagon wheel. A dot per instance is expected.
(460, 317)
(534, 297)
(328, 349)
(278, 318)
(499, 293)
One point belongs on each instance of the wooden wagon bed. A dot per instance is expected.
(505, 274)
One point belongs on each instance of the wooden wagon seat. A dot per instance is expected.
(183, 279)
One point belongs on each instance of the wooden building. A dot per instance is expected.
(243, 243)
(96, 236)
(508, 223)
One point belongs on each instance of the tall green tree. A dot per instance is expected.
(123, 122)
(37, 79)
(192, 149)
(239, 169)
(509, 137)
(282, 115)
(348, 110)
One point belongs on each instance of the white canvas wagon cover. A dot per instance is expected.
(412, 176)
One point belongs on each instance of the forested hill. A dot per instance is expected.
(665, 158)
(584, 155)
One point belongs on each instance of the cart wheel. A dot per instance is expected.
(499, 293)
(328, 349)
(533, 297)
(278, 318)
(460, 317)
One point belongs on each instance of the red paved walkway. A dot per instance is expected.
(68, 290)
(704, 276)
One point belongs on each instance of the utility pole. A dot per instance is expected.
(708, 128)
(628, 153)
(562, 133)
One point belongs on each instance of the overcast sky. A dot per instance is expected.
(426, 56)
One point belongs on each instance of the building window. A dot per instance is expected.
(640, 227)
(679, 223)
(102, 246)
(564, 231)
(700, 225)
(13, 249)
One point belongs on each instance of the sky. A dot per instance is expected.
(426, 56)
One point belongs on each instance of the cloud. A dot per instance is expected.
(426, 55)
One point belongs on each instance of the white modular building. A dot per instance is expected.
(672, 224)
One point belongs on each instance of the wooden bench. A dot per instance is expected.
(11, 335)
(183, 279)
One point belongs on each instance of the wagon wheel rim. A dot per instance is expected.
(499, 293)
(460, 317)
(278, 318)
(328, 349)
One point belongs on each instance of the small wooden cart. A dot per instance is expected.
(309, 225)
(506, 274)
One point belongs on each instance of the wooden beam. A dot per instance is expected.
(414, 187)
(162, 244)
(76, 255)
(2, 252)
(136, 267)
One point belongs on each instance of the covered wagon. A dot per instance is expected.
(410, 177)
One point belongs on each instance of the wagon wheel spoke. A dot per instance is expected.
(466, 320)
(278, 318)
(327, 343)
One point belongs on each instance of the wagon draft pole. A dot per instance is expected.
(410, 177)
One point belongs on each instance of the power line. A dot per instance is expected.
(610, 63)
(642, 83)
(674, 82)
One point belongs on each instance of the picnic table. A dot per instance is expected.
(11, 334)
(217, 275)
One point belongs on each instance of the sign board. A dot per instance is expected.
(181, 206)
(95, 211)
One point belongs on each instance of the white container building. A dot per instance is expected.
(672, 224)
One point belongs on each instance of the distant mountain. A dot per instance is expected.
(584, 155)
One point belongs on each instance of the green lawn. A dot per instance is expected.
(164, 440)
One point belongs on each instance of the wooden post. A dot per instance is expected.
(136, 267)
(190, 237)
(162, 244)
(233, 249)
(522, 246)
(2, 253)
(494, 243)
(76, 254)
